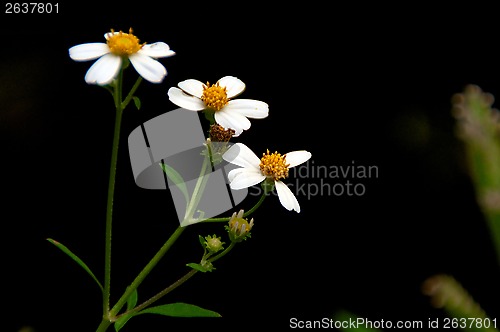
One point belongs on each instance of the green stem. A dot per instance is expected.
(161, 294)
(176, 284)
(103, 327)
(120, 106)
(222, 254)
(111, 193)
(246, 214)
(118, 90)
(147, 269)
(131, 93)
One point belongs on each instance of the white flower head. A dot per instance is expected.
(272, 166)
(120, 46)
(194, 95)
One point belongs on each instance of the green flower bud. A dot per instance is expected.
(207, 265)
(213, 244)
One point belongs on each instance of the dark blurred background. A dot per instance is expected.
(369, 84)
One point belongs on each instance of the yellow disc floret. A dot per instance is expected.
(214, 96)
(123, 44)
(274, 165)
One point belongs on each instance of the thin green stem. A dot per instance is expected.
(118, 92)
(120, 105)
(111, 193)
(174, 285)
(147, 269)
(222, 254)
(246, 214)
(161, 294)
(131, 93)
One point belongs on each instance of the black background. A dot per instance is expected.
(370, 84)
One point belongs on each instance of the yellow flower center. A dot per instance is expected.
(214, 96)
(123, 44)
(274, 165)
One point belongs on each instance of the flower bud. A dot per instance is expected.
(238, 227)
(213, 244)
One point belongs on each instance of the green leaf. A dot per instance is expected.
(202, 241)
(137, 102)
(197, 267)
(76, 259)
(132, 300)
(176, 179)
(180, 310)
(172, 310)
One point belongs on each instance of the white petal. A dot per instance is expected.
(248, 107)
(90, 51)
(286, 197)
(234, 86)
(232, 173)
(148, 68)
(157, 50)
(193, 87)
(297, 157)
(180, 98)
(241, 155)
(232, 120)
(104, 70)
(246, 178)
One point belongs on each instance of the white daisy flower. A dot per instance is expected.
(193, 95)
(271, 167)
(111, 54)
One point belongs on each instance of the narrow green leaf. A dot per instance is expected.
(176, 179)
(132, 300)
(137, 102)
(197, 267)
(180, 310)
(202, 241)
(68, 252)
